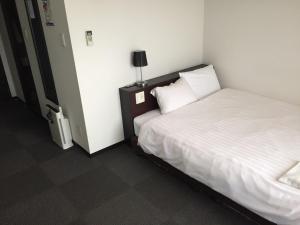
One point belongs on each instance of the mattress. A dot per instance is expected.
(238, 144)
(144, 118)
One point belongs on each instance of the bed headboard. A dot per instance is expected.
(130, 109)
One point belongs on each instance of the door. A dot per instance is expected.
(41, 49)
(4, 89)
(20, 53)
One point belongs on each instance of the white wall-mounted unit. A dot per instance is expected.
(59, 128)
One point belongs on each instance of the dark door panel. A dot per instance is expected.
(36, 26)
(4, 89)
(20, 53)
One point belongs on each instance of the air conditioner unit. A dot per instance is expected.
(59, 128)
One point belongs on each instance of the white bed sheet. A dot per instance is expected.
(144, 118)
(238, 144)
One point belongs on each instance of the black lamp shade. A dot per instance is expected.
(140, 59)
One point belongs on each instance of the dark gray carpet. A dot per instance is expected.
(41, 184)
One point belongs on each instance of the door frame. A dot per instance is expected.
(39, 42)
(7, 71)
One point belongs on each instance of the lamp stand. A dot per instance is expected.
(141, 83)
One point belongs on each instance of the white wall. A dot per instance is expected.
(171, 31)
(255, 45)
(63, 68)
(7, 56)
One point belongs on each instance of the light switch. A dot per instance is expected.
(89, 38)
(140, 97)
(63, 40)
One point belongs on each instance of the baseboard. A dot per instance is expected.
(107, 149)
(100, 151)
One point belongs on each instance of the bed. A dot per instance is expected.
(236, 143)
(233, 145)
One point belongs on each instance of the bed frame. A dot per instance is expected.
(130, 110)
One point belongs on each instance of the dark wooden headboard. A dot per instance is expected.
(130, 109)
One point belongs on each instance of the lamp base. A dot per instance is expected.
(141, 83)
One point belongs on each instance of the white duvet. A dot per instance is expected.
(237, 143)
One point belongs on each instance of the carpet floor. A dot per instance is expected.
(41, 184)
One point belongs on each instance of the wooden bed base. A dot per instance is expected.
(197, 186)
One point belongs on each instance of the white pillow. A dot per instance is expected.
(174, 96)
(203, 81)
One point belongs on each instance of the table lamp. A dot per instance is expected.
(140, 60)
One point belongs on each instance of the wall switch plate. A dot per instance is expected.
(89, 38)
(63, 40)
(140, 97)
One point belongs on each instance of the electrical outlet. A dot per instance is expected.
(140, 97)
